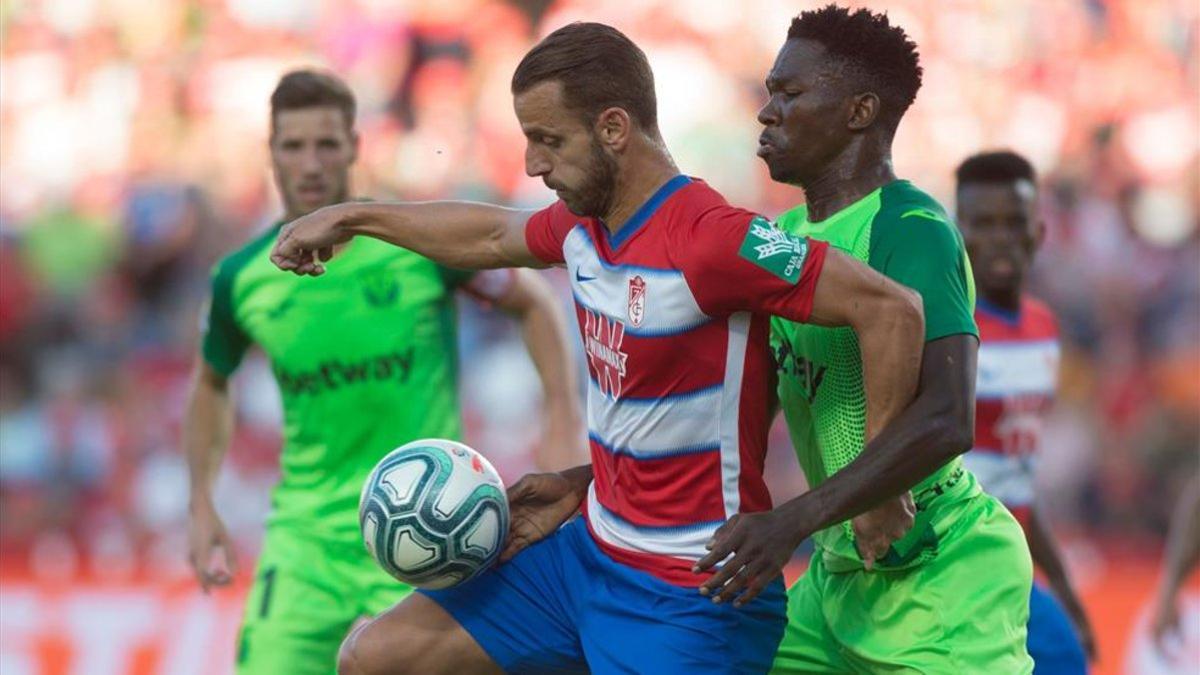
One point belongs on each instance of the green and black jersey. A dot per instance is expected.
(906, 235)
(365, 357)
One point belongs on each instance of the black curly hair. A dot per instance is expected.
(879, 57)
(1000, 166)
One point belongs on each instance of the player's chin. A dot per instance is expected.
(778, 168)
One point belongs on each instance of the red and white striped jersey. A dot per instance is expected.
(674, 313)
(1015, 387)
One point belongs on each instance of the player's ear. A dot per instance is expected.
(863, 111)
(1039, 234)
(614, 128)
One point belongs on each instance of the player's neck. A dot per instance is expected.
(1006, 300)
(855, 174)
(636, 183)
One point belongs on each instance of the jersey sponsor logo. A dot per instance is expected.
(334, 374)
(637, 300)
(380, 287)
(602, 342)
(774, 250)
(807, 373)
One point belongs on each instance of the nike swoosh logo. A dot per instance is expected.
(580, 278)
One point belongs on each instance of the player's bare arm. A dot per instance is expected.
(207, 428)
(544, 330)
(464, 235)
(888, 320)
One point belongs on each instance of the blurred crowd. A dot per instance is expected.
(134, 156)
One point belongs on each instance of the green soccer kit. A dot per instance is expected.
(365, 357)
(951, 596)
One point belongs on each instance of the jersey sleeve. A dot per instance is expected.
(223, 342)
(546, 230)
(734, 260)
(926, 253)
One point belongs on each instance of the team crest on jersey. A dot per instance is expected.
(602, 342)
(774, 250)
(637, 300)
(380, 287)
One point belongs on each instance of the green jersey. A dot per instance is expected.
(904, 234)
(365, 357)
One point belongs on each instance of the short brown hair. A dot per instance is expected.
(598, 68)
(310, 88)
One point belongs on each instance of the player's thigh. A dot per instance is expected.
(523, 613)
(295, 615)
(415, 636)
(807, 645)
(962, 612)
(1053, 643)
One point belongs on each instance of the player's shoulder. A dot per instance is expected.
(901, 200)
(911, 219)
(256, 248)
(695, 202)
(1039, 319)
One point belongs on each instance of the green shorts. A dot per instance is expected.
(964, 611)
(307, 593)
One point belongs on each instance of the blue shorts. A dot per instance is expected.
(564, 606)
(1051, 638)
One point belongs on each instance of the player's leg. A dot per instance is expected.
(964, 611)
(1053, 642)
(516, 617)
(415, 636)
(808, 646)
(295, 615)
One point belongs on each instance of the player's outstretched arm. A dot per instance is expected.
(544, 330)
(1047, 557)
(207, 428)
(464, 235)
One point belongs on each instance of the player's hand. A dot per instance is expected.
(875, 530)
(210, 549)
(760, 543)
(308, 241)
(537, 505)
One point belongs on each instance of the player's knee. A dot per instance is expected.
(347, 661)
(367, 650)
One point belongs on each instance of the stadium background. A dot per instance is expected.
(133, 154)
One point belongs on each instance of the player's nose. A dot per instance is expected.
(767, 115)
(536, 163)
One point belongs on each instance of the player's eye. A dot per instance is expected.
(550, 141)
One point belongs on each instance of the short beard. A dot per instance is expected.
(595, 196)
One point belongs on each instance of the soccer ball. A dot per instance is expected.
(433, 513)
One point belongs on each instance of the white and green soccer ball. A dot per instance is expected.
(434, 513)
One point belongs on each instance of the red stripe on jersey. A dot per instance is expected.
(668, 568)
(659, 492)
(758, 404)
(703, 347)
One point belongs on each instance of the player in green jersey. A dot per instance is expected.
(366, 360)
(951, 595)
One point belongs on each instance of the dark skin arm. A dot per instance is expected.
(1047, 558)
(936, 427)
